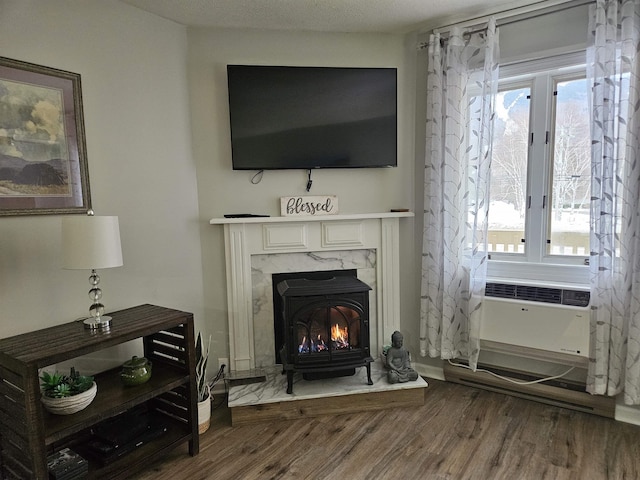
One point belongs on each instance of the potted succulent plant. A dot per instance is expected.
(204, 393)
(66, 394)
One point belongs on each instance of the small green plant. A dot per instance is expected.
(201, 369)
(57, 385)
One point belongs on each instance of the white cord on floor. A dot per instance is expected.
(540, 380)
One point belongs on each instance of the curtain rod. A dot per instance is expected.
(510, 16)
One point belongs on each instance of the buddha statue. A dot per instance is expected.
(398, 361)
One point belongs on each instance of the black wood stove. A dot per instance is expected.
(326, 328)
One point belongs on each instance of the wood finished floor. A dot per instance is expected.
(459, 433)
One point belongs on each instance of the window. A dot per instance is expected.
(570, 170)
(509, 163)
(540, 169)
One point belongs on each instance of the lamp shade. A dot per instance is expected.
(91, 242)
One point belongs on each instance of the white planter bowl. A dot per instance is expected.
(69, 405)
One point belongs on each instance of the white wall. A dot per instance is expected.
(134, 86)
(149, 131)
(222, 190)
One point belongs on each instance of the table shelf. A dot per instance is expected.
(28, 433)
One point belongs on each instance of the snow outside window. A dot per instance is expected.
(540, 170)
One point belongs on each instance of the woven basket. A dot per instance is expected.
(69, 405)
(204, 415)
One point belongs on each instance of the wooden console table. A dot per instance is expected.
(28, 433)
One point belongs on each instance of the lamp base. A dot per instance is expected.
(103, 323)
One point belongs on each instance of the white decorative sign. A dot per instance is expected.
(313, 205)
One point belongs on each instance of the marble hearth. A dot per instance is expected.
(268, 400)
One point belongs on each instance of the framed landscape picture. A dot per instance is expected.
(43, 160)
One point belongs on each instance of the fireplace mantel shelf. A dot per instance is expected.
(309, 218)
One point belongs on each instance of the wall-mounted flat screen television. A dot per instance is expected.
(312, 117)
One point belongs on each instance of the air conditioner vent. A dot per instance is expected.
(500, 290)
(539, 294)
(576, 298)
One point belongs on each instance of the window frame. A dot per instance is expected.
(541, 75)
(577, 74)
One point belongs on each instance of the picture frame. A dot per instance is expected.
(43, 159)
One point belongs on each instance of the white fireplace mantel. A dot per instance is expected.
(248, 236)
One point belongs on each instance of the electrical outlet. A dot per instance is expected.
(223, 361)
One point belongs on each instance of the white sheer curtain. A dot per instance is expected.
(462, 82)
(614, 72)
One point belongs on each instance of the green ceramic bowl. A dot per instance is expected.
(135, 371)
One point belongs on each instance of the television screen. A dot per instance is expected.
(312, 117)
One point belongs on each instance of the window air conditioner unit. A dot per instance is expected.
(543, 319)
(540, 323)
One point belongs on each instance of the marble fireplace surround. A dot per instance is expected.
(257, 247)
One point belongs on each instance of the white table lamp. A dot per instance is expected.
(90, 243)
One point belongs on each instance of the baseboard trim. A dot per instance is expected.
(551, 395)
(623, 413)
(429, 371)
(628, 414)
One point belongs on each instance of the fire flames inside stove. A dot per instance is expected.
(339, 341)
(319, 335)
